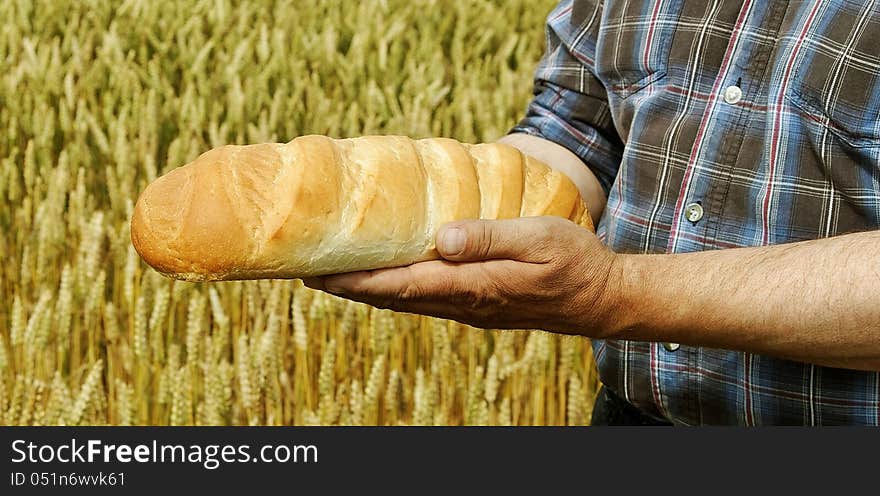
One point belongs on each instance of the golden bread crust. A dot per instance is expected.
(318, 205)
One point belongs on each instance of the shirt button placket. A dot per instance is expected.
(693, 212)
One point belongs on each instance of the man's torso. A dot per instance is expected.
(744, 123)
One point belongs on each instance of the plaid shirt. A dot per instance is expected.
(714, 125)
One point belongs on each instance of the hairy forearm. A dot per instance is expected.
(814, 301)
(563, 160)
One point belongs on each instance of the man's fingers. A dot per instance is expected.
(426, 288)
(314, 282)
(404, 283)
(516, 239)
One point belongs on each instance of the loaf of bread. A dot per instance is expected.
(317, 206)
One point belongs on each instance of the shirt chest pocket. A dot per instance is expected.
(835, 84)
(632, 52)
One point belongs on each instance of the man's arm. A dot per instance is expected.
(568, 124)
(566, 162)
(814, 301)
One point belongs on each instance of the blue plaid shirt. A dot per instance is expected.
(715, 125)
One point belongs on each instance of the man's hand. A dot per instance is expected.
(529, 273)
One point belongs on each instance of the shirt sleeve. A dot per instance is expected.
(570, 104)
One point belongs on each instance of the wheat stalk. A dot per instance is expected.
(94, 110)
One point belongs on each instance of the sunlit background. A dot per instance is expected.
(97, 98)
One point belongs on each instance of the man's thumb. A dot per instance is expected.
(470, 241)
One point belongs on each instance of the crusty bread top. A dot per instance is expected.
(317, 205)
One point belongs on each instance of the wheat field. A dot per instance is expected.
(99, 97)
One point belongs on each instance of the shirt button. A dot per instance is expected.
(693, 212)
(733, 94)
(671, 346)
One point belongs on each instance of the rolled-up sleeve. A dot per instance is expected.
(570, 105)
